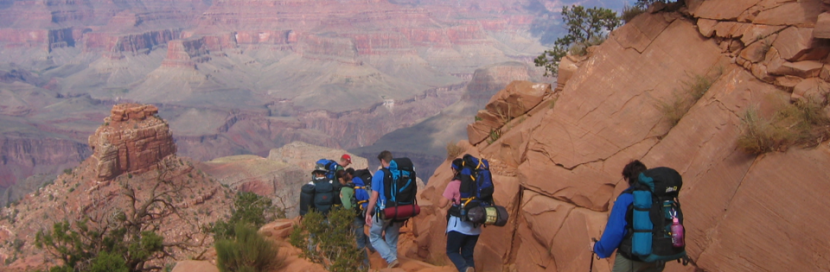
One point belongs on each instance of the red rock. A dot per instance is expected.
(132, 139)
(822, 29)
(641, 31)
(278, 230)
(793, 42)
(803, 69)
(811, 87)
(706, 26)
(722, 9)
(757, 51)
(800, 13)
(787, 82)
(195, 266)
(755, 33)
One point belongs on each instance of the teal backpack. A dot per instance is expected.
(648, 237)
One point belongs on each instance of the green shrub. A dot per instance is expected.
(333, 242)
(108, 262)
(247, 252)
(248, 208)
(494, 136)
(584, 25)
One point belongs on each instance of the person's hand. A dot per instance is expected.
(593, 241)
(368, 220)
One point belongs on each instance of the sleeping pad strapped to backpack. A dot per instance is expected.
(319, 194)
(476, 190)
(649, 218)
(399, 190)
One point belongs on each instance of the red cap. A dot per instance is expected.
(346, 157)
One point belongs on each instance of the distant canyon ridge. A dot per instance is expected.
(243, 77)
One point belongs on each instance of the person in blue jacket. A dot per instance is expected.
(617, 229)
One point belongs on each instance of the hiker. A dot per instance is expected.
(349, 197)
(388, 249)
(616, 230)
(461, 235)
(318, 195)
(345, 161)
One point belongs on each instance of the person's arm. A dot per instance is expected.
(370, 207)
(377, 187)
(615, 228)
(449, 194)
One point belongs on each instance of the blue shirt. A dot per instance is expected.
(377, 186)
(615, 230)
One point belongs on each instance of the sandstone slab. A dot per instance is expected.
(793, 42)
(641, 31)
(811, 87)
(803, 69)
(722, 9)
(800, 13)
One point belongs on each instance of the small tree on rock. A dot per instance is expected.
(586, 27)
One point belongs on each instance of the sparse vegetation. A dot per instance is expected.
(803, 123)
(453, 150)
(586, 27)
(693, 90)
(247, 251)
(630, 12)
(67, 171)
(332, 242)
(495, 134)
(248, 208)
(644, 4)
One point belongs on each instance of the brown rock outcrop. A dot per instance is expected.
(557, 171)
(132, 139)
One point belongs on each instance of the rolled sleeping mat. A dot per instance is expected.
(488, 215)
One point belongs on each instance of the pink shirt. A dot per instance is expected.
(453, 191)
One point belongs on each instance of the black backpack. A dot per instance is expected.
(649, 218)
(318, 195)
(399, 186)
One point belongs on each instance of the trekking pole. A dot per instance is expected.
(591, 268)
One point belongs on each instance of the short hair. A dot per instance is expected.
(457, 164)
(385, 156)
(632, 170)
(350, 171)
(339, 174)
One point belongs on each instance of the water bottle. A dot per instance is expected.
(677, 233)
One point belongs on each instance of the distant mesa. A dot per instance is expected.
(132, 139)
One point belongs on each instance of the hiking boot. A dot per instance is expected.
(393, 264)
(470, 269)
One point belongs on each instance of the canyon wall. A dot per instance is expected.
(556, 164)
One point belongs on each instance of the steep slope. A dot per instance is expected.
(133, 162)
(557, 168)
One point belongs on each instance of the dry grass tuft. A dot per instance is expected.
(803, 123)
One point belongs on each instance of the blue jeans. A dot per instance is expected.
(362, 239)
(388, 249)
(460, 249)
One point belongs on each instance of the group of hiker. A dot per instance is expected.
(644, 227)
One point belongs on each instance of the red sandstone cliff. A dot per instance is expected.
(556, 162)
(133, 152)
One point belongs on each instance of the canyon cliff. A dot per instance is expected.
(556, 161)
(133, 162)
(234, 78)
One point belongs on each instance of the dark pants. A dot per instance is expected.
(623, 264)
(460, 249)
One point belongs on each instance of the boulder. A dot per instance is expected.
(787, 82)
(755, 33)
(755, 52)
(811, 87)
(278, 230)
(803, 69)
(706, 26)
(822, 29)
(793, 42)
(517, 98)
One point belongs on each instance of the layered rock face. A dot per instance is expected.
(557, 165)
(132, 139)
(115, 180)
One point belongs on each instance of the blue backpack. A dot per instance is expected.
(399, 187)
(362, 185)
(648, 237)
(331, 167)
(476, 187)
